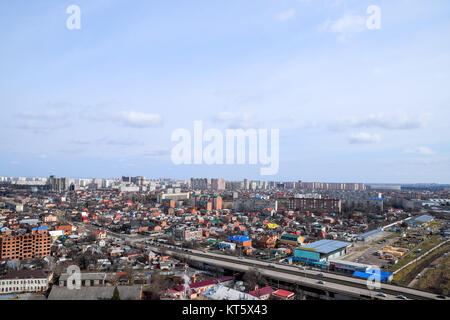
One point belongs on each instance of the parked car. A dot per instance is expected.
(320, 282)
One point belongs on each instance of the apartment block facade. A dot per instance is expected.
(315, 205)
(25, 246)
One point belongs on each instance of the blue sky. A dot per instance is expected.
(352, 104)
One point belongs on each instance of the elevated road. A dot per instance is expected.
(334, 282)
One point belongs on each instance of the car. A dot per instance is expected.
(240, 257)
(320, 282)
(381, 294)
(401, 297)
(320, 274)
(301, 268)
(271, 265)
(440, 296)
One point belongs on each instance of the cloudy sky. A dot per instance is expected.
(352, 104)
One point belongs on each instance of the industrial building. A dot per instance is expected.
(320, 251)
(420, 221)
(369, 235)
(374, 274)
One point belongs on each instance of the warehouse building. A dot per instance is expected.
(320, 251)
(347, 266)
(420, 221)
(374, 274)
(369, 235)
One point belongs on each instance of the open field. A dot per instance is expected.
(438, 279)
(405, 276)
(424, 246)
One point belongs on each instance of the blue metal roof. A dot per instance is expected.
(40, 228)
(375, 274)
(326, 246)
(238, 238)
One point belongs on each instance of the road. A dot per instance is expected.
(331, 279)
(310, 275)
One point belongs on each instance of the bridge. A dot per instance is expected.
(306, 281)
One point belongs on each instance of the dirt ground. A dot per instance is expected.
(364, 252)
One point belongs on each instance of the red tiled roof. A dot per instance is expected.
(225, 279)
(283, 293)
(197, 284)
(261, 292)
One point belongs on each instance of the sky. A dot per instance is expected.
(352, 104)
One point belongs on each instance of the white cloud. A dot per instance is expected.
(345, 26)
(42, 115)
(383, 121)
(364, 137)
(139, 119)
(426, 151)
(285, 15)
(236, 120)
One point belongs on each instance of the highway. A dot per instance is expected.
(306, 275)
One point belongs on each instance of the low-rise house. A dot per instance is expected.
(87, 279)
(263, 293)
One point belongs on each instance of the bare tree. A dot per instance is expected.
(253, 277)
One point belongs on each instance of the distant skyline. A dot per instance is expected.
(242, 179)
(351, 104)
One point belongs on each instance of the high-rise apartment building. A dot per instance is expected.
(218, 184)
(57, 184)
(25, 246)
(199, 184)
(315, 205)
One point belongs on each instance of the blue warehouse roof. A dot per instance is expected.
(380, 275)
(326, 246)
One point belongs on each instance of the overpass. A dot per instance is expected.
(333, 283)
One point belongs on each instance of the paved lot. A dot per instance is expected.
(367, 256)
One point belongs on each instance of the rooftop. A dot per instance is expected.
(95, 293)
(326, 246)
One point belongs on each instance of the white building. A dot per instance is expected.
(25, 281)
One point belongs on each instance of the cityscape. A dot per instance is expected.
(213, 239)
(225, 158)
